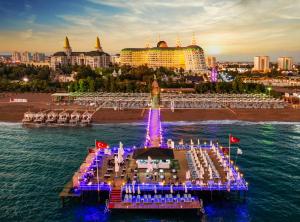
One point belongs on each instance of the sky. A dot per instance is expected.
(231, 30)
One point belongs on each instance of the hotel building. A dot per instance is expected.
(285, 63)
(189, 58)
(38, 57)
(16, 57)
(95, 59)
(211, 61)
(261, 64)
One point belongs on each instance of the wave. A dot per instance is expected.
(125, 124)
(227, 122)
(183, 123)
(10, 123)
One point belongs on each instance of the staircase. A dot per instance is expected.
(115, 197)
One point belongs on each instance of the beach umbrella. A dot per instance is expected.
(120, 155)
(185, 188)
(121, 148)
(171, 188)
(188, 175)
(117, 168)
(149, 165)
(172, 144)
(138, 190)
(192, 143)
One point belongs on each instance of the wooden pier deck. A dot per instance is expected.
(195, 205)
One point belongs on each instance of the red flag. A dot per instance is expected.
(101, 145)
(233, 139)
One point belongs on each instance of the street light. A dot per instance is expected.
(25, 79)
(269, 89)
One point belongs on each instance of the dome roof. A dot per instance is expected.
(162, 44)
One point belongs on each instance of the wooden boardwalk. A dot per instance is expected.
(194, 205)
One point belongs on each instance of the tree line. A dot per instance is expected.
(131, 79)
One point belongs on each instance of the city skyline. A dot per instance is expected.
(230, 30)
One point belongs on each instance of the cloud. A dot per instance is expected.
(222, 27)
(26, 34)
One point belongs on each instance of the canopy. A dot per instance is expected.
(154, 153)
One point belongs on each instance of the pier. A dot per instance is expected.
(158, 175)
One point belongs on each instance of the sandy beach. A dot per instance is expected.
(13, 112)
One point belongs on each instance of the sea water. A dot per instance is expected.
(35, 164)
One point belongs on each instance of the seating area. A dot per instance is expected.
(201, 166)
(120, 101)
(158, 198)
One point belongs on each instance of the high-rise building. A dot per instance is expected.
(26, 57)
(95, 59)
(16, 57)
(189, 58)
(38, 57)
(210, 61)
(285, 63)
(261, 64)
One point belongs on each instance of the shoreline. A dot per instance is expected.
(13, 112)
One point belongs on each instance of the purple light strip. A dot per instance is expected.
(154, 130)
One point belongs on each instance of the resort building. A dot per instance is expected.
(95, 59)
(38, 57)
(16, 57)
(26, 57)
(190, 58)
(261, 64)
(210, 61)
(285, 63)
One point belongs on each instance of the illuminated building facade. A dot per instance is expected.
(211, 61)
(190, 58)
(95, 59)
(261, 64)
(285, 63)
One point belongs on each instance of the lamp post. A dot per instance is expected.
(269, 89)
